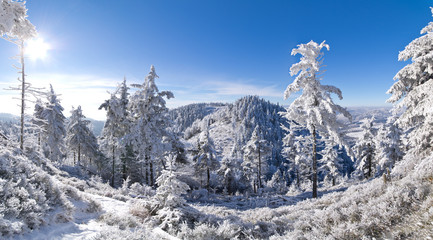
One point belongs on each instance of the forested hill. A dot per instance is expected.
(184, 116)
(231, 127)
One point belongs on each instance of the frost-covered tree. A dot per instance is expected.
(79, 137)
(116, 127)
(169, 200)
(54, 127)
(333, 163)
(149, 123)
(16, 28)
(205, 161)
(389, 146)
(256, 152)
(365, 150)
(314, 108)
(38, 120)
(412, 91)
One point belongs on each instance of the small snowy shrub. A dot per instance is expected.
(28, 195)
(122, 222)
(138, 189)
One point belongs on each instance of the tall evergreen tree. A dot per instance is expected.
(389, 146)
(256, 152)
(149, 124)
(80, 138)
(412, 91)
(54, 127)
(333, 164)
(16, 28)
(314, 108)
(365, 150)
(115, 128)
(205, 160)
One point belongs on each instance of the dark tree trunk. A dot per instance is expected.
(124, 169)
(152, 180)
(112, 169)
(369, 160)
(259, 172)
(208, 179)
(79, 153)
(23, 88)
(314, 164)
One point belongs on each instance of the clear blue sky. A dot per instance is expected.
(215, 50)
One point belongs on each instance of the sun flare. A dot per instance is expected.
(37, 49)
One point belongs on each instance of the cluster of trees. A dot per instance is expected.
(269, 145)
(134, 141)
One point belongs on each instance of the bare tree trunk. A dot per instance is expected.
(124, 169)
(112, 169)
(23, 88)
(208, 179)
(146, 170)
(259, 173)
(314, 164)
(369, 160)
(152, 180)
(79, 153)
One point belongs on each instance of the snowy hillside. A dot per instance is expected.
(231, 126)
(183, 117)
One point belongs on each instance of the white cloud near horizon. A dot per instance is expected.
(90, 90)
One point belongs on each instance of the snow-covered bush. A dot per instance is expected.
(29, 196)
(225, 230)
(139, 190)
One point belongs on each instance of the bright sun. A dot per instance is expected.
(36, 48)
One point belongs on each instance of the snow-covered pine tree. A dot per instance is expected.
(149, 123)
(116, 127)
(365, 150)
(314, 108)
(79, 137)
(333, 164)
(16, 28)
(168, 198)
(389, 146)
(412, 91)
(205, 162)
(256, 152)
(54, 127)
(39, 121)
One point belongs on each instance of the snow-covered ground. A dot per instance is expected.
(85, 225)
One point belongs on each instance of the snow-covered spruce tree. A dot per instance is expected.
(115, 129)
(54, 127)
(39, 121)
(79, 137)
(365, 150)
(149, 123)
(205, 161)
(230, 170)
(314, 108)
(296, 152)
(412, 91)
(256, 152)
(389, 146)
(333, 164)
(168, 198)
(16, 28)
